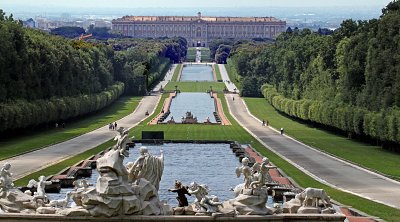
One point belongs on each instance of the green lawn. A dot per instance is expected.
(191, 54)
(218, 72)
(176, 73)
(368, 156)
(195, 86)
(205, 55)
(235, 132)
(36, 140)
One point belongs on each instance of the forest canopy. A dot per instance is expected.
(349, 80)
(39, 72)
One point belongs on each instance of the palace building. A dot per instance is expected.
(199, 30)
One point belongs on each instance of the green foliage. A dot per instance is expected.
(215, 43)
(101, 33)
(222, 53)
(380, 125)
(68, 31)
(35, 65)
(349, 80)
(21, 113)
(142, 63)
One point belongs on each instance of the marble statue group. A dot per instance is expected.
(119, 189)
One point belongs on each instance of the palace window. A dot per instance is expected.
(198, 32)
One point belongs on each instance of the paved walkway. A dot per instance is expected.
(34, 161)
(225, 78)
(167, 78)
(325, 168)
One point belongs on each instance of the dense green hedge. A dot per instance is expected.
(383, 125)
(158, 70)
(21, 114)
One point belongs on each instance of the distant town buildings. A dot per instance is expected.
(199, 30)
(48, 24)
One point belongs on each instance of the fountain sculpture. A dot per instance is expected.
(132, 189)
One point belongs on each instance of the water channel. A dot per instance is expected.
(200, 104)
(197, 72)
(210, 164)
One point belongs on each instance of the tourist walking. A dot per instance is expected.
(263, 122)
(281, 131)
(115, 126)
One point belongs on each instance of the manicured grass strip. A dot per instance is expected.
(195, 86)
(218, 72)
(366, 155)
(36, 140)
(205, 55)
(232, 73)
(176, 73)
(191, 54)
(52, 170)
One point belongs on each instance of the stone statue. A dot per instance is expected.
(314, 195)
(6, 181)
(12, 200)
(148, 167)
(114, 194)
(62, 203)
(203, 202)
(122, 139)
(182, 191)
(246, 171)
(40, 186)
(262, 175)
(80, 186)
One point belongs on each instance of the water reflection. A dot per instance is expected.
(197, 72)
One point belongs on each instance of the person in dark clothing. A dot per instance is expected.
(115, 125)
(182, 191)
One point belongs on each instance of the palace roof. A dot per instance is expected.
(194, 18)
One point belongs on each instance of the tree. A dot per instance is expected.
(222, 54)
(68, 31)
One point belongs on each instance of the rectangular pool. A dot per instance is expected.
(197, 72)
(201, 105)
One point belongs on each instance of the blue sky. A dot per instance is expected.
(190, 3)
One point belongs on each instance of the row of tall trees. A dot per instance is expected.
(141, 63)
(46, 78)
(22, 114)
(349, 80)
(35, 65)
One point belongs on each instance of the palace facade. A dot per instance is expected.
(199, 30)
